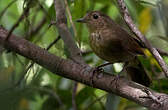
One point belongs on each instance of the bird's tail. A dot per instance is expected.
(136, 72)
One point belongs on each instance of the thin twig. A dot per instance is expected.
(34, 31)
(23, 75)
(141, 37)
(74, 90)
(70, 18)
(41, 34)
(6, 8)
(25, 13)
(44, 10)
(54, 42)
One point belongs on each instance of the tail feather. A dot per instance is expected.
(136, 72)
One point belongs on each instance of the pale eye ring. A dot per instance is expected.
(95, 16)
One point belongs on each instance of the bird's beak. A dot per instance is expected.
(81, 20)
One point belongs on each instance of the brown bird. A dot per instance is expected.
(112, 43)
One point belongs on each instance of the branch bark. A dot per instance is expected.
(61, 23)
(141, 37)
(72, 70)
(162, 52)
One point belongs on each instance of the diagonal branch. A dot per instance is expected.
(141, 37)
(71, 70)
(70, 18)
(162, 52)
(61, 23)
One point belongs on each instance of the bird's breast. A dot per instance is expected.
(108, 49)
(99, 45)
(96, 40)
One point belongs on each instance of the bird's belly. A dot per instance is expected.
(110, 54)
(113, 57)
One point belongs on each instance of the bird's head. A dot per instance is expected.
(95, 20)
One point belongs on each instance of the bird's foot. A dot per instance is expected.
(98, 70)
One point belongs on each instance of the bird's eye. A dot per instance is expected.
(95, 16)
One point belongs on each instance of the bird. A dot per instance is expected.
(114, 44)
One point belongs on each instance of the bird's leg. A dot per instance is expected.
(118, 76)
(98, 69)
(123, 69)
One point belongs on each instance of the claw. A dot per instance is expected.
(98, 69)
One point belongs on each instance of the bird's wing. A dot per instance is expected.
(133, 46)
(128, 42)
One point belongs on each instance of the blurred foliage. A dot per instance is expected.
(38, 89)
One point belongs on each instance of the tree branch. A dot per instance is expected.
(141, 37)
(162, 52)
(71, 70)
(61, 23)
